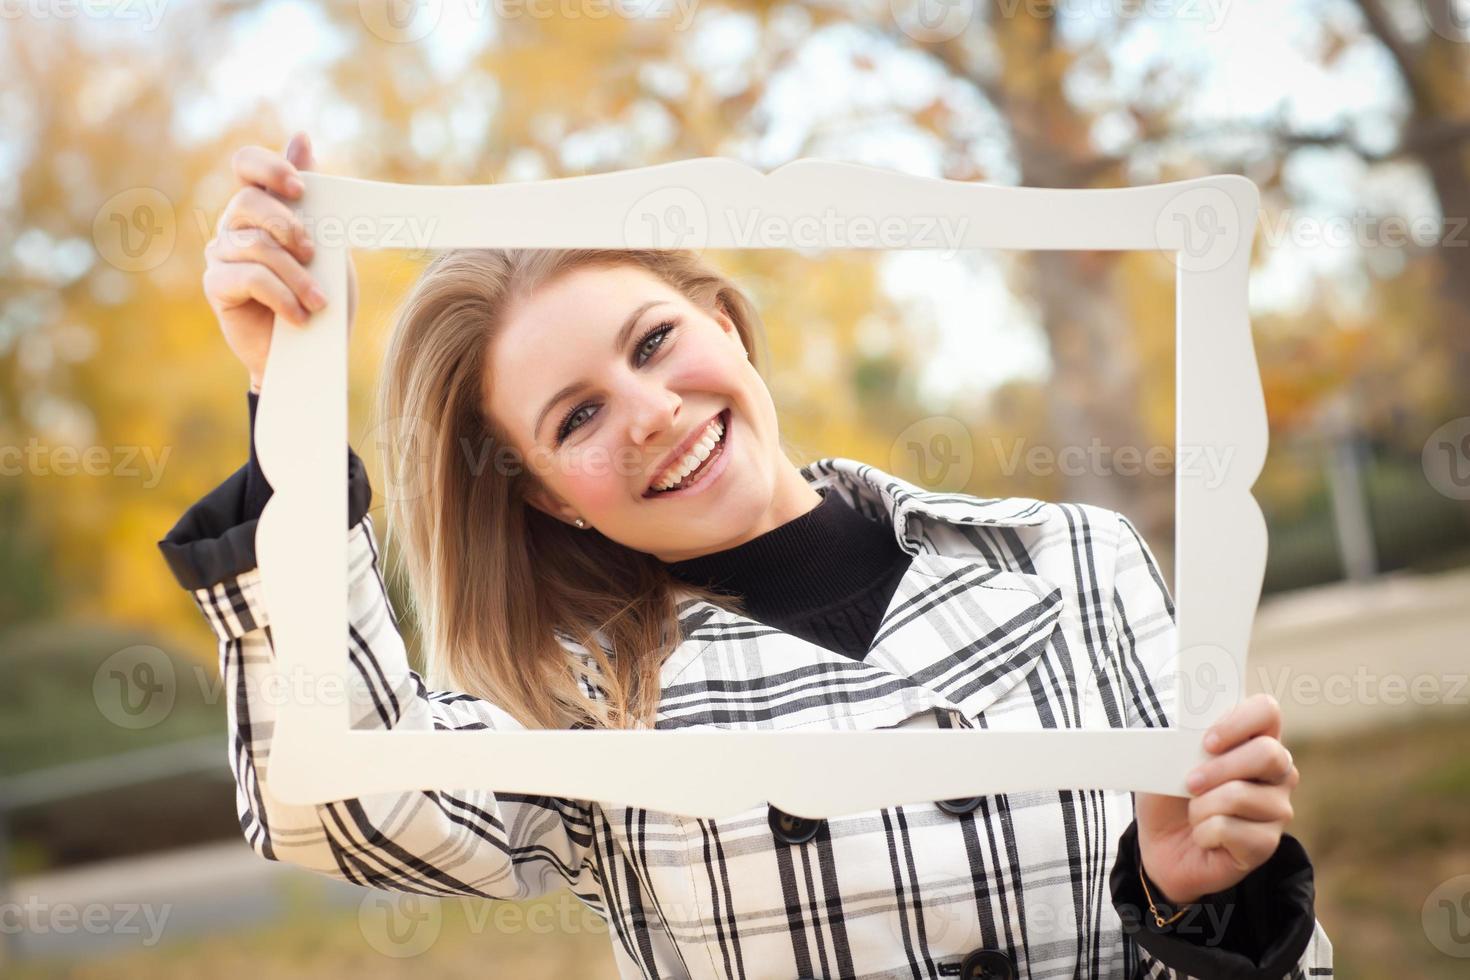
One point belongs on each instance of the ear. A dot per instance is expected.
(727, 324)
(723, 318)
(550, 505)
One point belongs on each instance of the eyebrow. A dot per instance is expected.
(621, 341)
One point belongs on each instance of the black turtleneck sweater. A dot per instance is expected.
(826, 576)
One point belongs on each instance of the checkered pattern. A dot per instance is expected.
(1016, 614)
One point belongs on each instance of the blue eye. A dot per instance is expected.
(659, 332)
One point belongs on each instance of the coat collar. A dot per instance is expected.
(957, 635)
(872, 491)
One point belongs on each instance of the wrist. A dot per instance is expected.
(1163, 894)
(1166, 898)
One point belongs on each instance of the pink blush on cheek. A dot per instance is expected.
(595, 491)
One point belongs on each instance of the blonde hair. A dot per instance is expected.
(495, 583)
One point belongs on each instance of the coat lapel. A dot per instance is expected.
(966, 631)
(957, 633)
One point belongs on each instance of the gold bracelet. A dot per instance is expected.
(1159, 919)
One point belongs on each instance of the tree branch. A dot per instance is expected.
(1420, 139)
(1398, 49)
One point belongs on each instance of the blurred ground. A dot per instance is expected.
(1383, 815)
(221, 911)
(1381, 812)
(1381, 809)
(1356, 655)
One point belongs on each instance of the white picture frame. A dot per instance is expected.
(1205, 224)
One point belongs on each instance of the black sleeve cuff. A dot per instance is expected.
(215, 538)
(257, 488)
(1257, 929)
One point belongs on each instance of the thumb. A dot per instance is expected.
(298, 151)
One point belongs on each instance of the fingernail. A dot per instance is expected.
(294, 185)
(315, 298)
(1194, 781)
(1212, 740)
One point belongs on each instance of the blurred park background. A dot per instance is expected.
(120, 405)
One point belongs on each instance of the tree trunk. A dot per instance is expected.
(1095, 364)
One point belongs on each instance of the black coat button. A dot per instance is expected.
(987, 964)
(958, 807)
(791, 829)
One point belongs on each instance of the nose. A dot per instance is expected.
(653, 409)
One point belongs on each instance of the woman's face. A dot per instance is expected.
(601, 374)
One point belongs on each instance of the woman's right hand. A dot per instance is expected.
(255, 264)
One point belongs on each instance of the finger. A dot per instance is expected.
(1244, 799)
(252, 207)
(1263, 759)
(257, 166)
(255, 245)
(1259, 714)
(231, 284)
(1249, 843)
(298, 151)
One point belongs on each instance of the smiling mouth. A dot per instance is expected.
(702, 470)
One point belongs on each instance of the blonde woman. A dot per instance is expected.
(606, 530)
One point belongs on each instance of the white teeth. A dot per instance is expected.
(698, 454)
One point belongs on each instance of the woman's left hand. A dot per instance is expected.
(1192, 846)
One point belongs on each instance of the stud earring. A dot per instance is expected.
(580, 523)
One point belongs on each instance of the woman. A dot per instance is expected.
(600, 469)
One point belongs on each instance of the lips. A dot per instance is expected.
(684, 449)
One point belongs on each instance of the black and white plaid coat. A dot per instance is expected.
(1016, 614)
